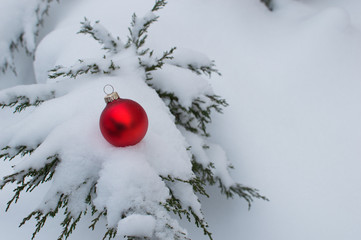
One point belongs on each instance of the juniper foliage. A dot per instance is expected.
(27, 36)
(194, 119)
(20, 103)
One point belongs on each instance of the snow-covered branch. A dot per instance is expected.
(133, 189)
(22, 97)
(101, 34)
(104, 66)
(30, 20)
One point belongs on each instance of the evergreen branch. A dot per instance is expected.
(41, 11)
(244, 192)
(91, 195)
(139, 27)
(7, 153)
(205, 174)
(199, 69)
(205, 69)
(110, 233)
(22, 102)
(84, 67)
(178, 235)
(159, 4)
(158, 62)
(8, 61)
(69, 224)
(217, 103)
(196, 183)
(173, 204)
(41, 217)
(96, 220)
(201, 223)
(196, 117)
(30, 179)
(102, 35)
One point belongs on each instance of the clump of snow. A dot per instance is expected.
(67, 43)
(136, 225)
(207, 153)
(185, 193)
(139, 23)
(32, 93)
(137, 188)
(221, 164)
(182, 83)
(104, 37)
(185, 57)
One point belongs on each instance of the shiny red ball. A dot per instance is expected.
(123, 122)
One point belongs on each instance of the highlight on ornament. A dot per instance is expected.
(123, 122)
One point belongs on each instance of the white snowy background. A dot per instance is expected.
(293, 81)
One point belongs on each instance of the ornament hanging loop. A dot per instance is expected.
(110, 97)
(105, 89)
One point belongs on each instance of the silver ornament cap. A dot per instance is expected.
(110, 97)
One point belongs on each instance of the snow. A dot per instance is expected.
(11, 15)
(73, 133)
(292, 79)
(184, 192)
(127, 179)
(20, 22)
(136, 225)
(221, 164)
(140, 22)
(103, 36)
(208, 153)
(182, 82)
(140, 190)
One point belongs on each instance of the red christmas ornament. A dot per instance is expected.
(123, 122)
